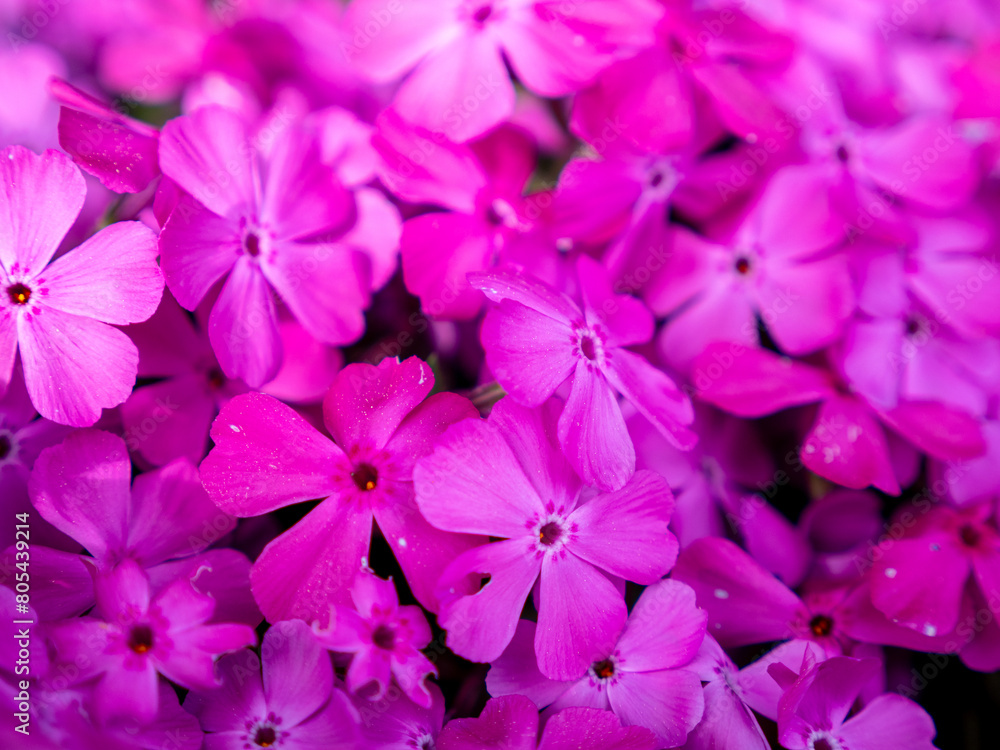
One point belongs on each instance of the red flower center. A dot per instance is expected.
(821, 625)
(587, 348)
(970, 535)
(365, 477)
(19, 293)
(549, 533)
(384, 637)
(265, 737)
(251, 245)
(742, 265)
(140, 639)
(604, 669)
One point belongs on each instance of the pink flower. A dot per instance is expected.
(643, 677)
(275, 224)
(384, 638)
(140, 635)
(292, 703)
(459, 83)
(505, 477)
(791, 274)
(164, 522)
(813, 712)
(536, 338)
(57, 314)
(266, 457)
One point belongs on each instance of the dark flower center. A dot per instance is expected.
(969, 533)
(549, 533)
(19, 294)
(482, 14)
(604, 669)
(265, 737)
(821, 625)
(216, 378)
(656, 179)
(742, 265)
(587, 348)
(913, 326)
(384, 637)
(140, 639)
(822, 744)
(251, 244)
(365, 477)
(842, 156)
(5, 446)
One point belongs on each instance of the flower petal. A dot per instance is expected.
(243, 326)
(625, 532)
(266, 456)
(40, 198)
(112, 277)
(580, 615)
(313, 564)
(60, 353)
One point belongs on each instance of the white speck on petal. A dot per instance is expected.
(272, 466)
(890, 572)
(810, 448)
(853, 432)
(234, 428)
(935, 547)
(721, 594)
(930, 630)
(402, 542)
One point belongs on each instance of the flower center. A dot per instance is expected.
(251, 245)
(587, 348)
(265, 736)
(5, 446)
(19, 294)
(969, 533)
(742, 265)
(216, 378)
(823, 741)
(384, 637)
(843, 154)
(604, 670)
(365, 477)
(550, 533)
(482, 13)
(821, 626)
(140, 638)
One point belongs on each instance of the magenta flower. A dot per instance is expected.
(164, 523)
(921, 580)
(140, 635)
(384, 638)
(505, 477)
(481, 184)
(790, 274)
(274, 224)
(537, 338)
(813, 712)
(266, 456)
(397, 723)
(459, 85)
(57, 315)
(644, 677)
(286, 699)
(732, 695)
(512, 721)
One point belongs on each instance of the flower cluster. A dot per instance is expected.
(469, 374)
